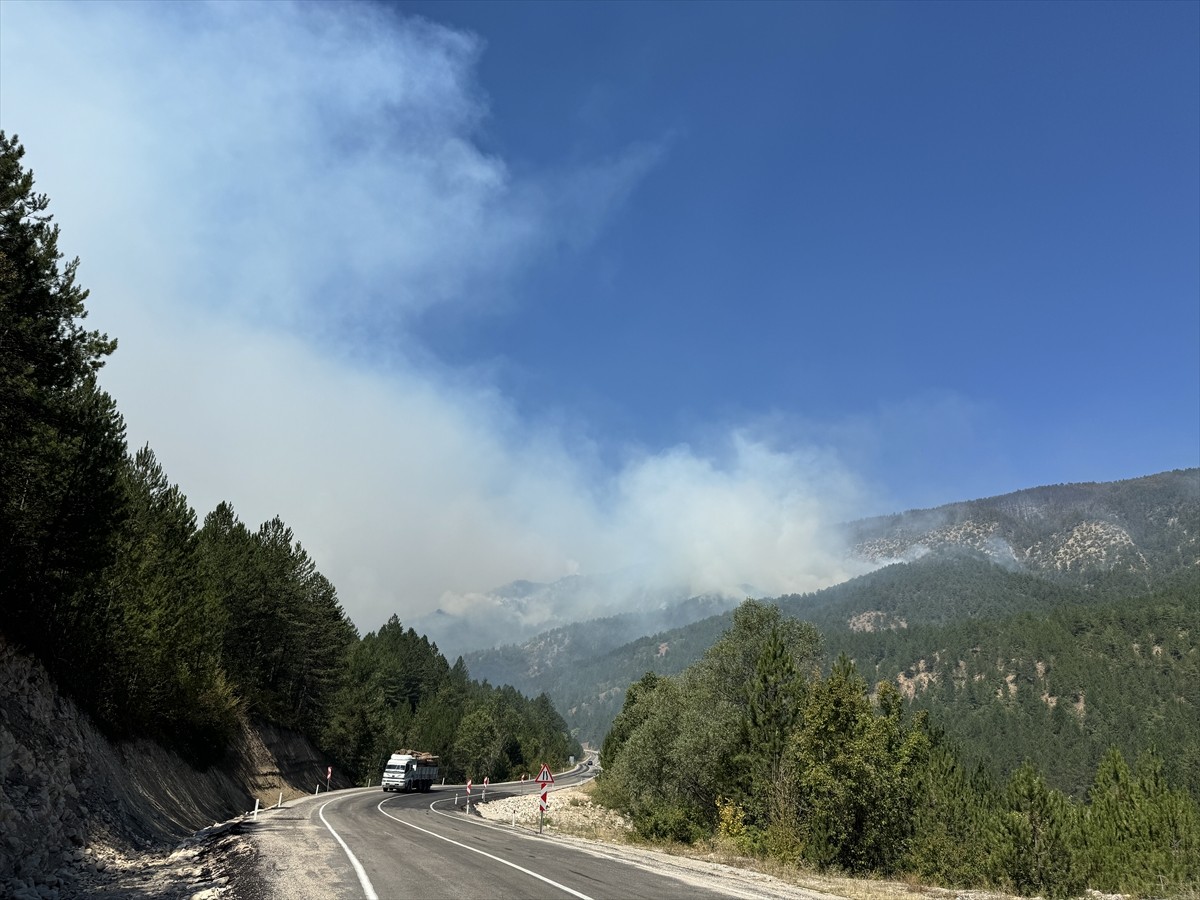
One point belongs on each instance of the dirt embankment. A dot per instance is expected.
(80, 816)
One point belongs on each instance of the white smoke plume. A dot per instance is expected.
(263, 197)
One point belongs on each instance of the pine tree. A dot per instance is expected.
(1141, 834)
(948, 842)
(62, 442)
(773, 704)
(1113, 823)
(1036, 837)
(162, 634)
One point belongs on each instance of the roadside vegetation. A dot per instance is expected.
(756, 747)
(165, 628)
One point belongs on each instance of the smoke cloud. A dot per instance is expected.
(263, 197)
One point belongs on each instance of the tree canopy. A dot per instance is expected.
(62, 442)
(164, 629)
(757, 746)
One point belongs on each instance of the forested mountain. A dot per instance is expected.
(1056, 688)
(756, 748)
(163, 629)
(971, 717)
(954, 574)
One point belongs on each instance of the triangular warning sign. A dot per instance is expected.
(544, 776)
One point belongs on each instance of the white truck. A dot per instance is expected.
(410, 770)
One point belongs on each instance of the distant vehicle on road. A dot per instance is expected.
(410, 770)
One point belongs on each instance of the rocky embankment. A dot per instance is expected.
(82, 817)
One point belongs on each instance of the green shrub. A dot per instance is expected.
(668, 824)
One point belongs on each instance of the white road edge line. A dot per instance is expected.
(367, 887)
(512, 865)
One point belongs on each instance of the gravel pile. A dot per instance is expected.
(571, 812)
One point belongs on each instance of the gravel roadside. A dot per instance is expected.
(229, 861)
(573, 817)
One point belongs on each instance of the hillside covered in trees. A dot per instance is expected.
(164, 627)
(951, 576)
(1056, 685)
(759, 747)
(964, 717)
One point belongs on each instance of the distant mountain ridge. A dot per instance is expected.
(543, 656)
(530, 610)
(1147, 525)
(1072, 533)
(1024, 552)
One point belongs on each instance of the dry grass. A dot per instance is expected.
(574, 813)
(577, 815)
(841, 886)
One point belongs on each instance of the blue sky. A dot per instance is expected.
(471, 292)
(865, 206)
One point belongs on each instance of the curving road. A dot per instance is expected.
(365, 843)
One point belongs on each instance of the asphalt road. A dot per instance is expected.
(368, 843)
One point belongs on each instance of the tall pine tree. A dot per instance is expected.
(62, 442)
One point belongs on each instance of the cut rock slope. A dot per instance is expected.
(76, 810)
